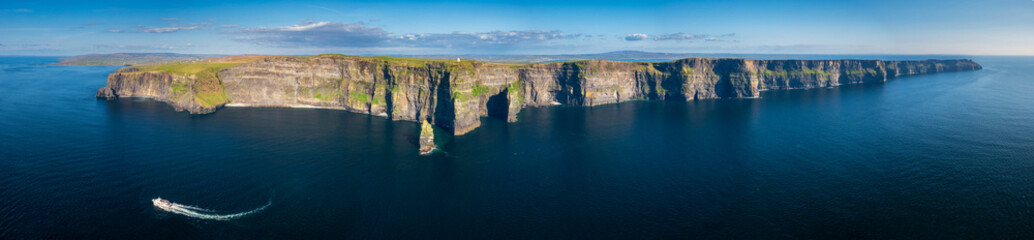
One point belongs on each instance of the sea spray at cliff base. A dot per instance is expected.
(201, 213)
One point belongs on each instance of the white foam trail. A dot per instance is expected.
(196, 208)
(193, 211)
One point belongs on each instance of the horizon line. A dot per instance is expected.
(561, 54)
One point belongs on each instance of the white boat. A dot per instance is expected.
(163, 204)
(201, 213)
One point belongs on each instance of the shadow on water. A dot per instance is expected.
(895, 160)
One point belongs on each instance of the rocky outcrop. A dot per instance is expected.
(426, 138)
(905, 68)
(176, 90)
(455, 95)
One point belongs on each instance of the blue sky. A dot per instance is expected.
(976, 27)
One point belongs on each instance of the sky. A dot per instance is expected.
(402, 27)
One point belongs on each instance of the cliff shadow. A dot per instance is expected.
(727, 69)
(649, 86)
(570, 83)
(389, 101)
(498, 105)
(668, 86)
(444, 116)
(673, 87)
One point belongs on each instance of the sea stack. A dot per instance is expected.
(426, 138)
(454, 96)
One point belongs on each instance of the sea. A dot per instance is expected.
(940, 156)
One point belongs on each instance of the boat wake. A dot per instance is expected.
(201, 213)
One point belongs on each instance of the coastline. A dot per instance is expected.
(455, 95)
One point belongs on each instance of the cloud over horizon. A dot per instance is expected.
(170, 29)
(635, 37)
(487, 38)
(687, 36)
(315, 34)
(358, 35)
(166, 29)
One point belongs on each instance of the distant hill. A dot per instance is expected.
(129, 58)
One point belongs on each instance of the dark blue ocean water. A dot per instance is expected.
(937, 156)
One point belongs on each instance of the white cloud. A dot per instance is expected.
(678, 36)
(687, 36)
(166, 29)
(316, 34)
(172, 28)
(357, 35)
(635, 37)
(488, 38)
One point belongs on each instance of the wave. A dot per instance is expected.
(201, 213)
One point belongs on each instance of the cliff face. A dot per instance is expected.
(905, 68)
(455, 95)
(176, 90)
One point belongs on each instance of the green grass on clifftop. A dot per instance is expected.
(208, 89)
(189, 69)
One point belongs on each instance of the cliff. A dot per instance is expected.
(455, 95)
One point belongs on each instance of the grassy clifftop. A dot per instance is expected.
(206, 88)
(378, 85)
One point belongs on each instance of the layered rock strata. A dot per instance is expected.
(455, 95)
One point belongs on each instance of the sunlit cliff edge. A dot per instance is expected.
(454, 95)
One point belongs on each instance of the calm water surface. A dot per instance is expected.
(939, 156)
